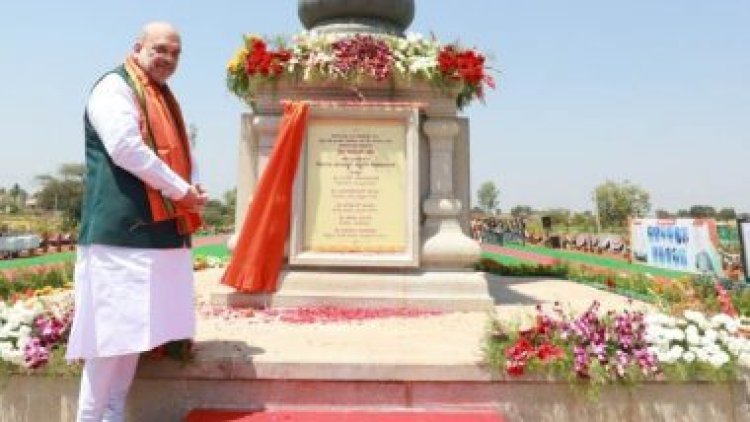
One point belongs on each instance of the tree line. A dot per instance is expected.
(615, 202)
(62, 193)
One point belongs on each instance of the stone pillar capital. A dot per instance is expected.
(441, 127)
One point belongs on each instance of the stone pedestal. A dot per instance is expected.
(444, 275)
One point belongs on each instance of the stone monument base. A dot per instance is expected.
(426, 290)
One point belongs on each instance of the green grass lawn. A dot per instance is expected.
(506, 260)
(53, 258)
(220, 250)
(602, 261)
(217, 250)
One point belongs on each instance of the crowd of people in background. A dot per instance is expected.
(499, 231)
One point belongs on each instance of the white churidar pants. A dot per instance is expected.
(104, 387)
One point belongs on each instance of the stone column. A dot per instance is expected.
(258, 134)
(267, 128)
(444, 244)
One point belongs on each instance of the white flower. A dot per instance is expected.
(677, 334)
(657, 319)
(23, 341)
(21, 313)
(745, 345)
(735, 345)
(710, 336)
(700, 354)
(666, 357)
(676, 352)
(676, 349)
(24, 331)
(744, 359)
(14, 356)
(698, 318)
(420, 64)
(414, 37)
(688, 356)
(726, 321)
(742, 345)
(656, 338)
(692, 336)
(13, 322)
(11, 334)
(655, 334)
(719, 359)
(655, 350)
(711, 347)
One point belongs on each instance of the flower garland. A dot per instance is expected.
(356, 58)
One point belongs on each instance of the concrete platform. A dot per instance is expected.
(429, 362)
(438, 290)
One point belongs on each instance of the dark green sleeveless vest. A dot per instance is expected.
(115, 206)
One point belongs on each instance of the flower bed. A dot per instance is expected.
(596, 348)
(27, 282)
(673, 294)
(697, 346)
(560, 270)
(36, 310)
(32, 329)
(203, 262)
(355, 59)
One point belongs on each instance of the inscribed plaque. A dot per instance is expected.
(355, 186)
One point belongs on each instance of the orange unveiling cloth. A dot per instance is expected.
(163, 130)
(259, 253)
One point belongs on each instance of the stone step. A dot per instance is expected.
(438, 290)
(218, 415)
(163, 394)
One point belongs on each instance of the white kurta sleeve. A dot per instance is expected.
(113, 113)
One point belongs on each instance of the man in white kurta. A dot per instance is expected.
(130, 299)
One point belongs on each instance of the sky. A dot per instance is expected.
(654, 92)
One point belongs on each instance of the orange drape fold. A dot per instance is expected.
(258, 256)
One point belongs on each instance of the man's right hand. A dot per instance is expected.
(194, 198)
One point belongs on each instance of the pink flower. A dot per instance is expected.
(363, 54)
(35, 354)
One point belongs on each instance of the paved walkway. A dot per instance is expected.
(445, 339)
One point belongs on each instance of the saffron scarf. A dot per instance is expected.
(163, 130)
(259, 254)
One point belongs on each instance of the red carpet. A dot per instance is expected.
(207, 415)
